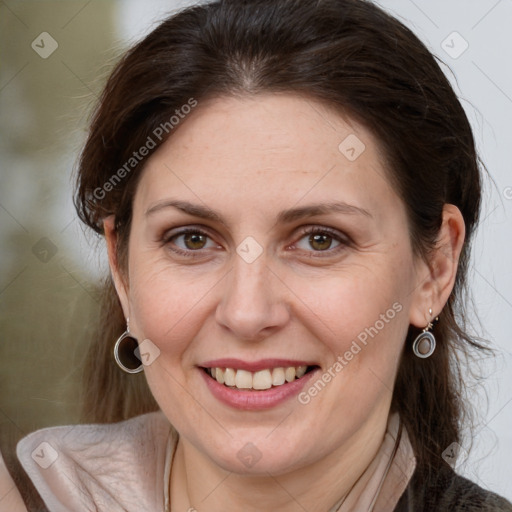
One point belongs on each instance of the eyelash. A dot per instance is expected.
(343, 240)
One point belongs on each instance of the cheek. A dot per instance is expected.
(168, 309)
(362, 330)
(361, 318)
(359, 303)
(167, 305)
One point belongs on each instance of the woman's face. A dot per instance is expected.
(250, 288)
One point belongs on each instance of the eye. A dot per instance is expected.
(321, 239)
(189, 241)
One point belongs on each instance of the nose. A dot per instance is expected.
(254, 304)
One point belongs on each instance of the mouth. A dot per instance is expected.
(260, 380)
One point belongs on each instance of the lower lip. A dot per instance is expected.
(256, 400)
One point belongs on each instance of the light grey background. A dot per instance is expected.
(49, 301)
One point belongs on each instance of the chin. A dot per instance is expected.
(258, 454)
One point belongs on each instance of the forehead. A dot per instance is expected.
(266, 150)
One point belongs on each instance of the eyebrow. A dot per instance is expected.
(284, 217)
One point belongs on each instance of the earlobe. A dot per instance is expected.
(435, 288)
(117, 275)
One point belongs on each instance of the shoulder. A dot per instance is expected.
(450, 492)
(117, 466)
(10, 496)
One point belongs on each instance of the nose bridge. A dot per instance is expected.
(251, 302)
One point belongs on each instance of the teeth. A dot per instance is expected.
(278, 376)
(229, 377)
(243, 379)
(289, 374)
(300, 371)
(219, 375)
(260, 380)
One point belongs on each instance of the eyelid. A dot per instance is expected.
(343, 240)
(184, 230)
(316, 228)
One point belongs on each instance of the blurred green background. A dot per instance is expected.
(47, 302)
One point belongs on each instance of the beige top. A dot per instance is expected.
(126, 467)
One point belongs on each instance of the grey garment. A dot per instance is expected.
(449, 492)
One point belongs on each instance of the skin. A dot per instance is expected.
(10, 497)
(247, 159)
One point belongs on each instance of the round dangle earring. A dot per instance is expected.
(124, 352)
(425, 343)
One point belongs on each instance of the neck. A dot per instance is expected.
(198, 483)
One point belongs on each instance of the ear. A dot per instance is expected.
(435, 279)
(120, 280)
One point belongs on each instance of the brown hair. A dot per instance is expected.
(356, 58)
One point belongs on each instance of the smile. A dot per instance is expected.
(255, 386)
(259, 380)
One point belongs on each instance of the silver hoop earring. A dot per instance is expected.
(124, 352)
(425, 343)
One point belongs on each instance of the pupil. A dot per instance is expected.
(323, 240)
(194, 240)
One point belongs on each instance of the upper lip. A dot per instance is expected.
(254, 366)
